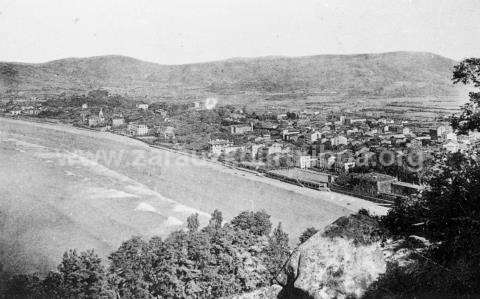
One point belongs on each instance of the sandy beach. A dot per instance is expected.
(76, 188)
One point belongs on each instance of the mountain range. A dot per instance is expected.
(393, 74)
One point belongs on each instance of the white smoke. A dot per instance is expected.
(211, 103)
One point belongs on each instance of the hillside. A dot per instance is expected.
(393, 74)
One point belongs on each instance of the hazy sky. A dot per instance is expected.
(181, 31)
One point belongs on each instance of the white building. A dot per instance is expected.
(142, 106)
(240, 129)
(303, 161)
(339, 140)
(118, 121)
(137, 129)
(313, 136)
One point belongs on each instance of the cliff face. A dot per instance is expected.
(341, 262)
(332, 268)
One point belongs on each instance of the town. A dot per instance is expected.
(376, 155)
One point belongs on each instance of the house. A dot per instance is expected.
(313, 136)
(254, 148)
(452, 146)
(325, 161)
(240, 129)
(344, 165)
(358, 121)
(118, 121)
(142, 106)
(302, 161)
(289, 135)
(169, 133)
(161, 112)
(218, 146)
(84, 106)
(136, 129)
(96, 120)
(339, 140)
(275, 148)
(451, 136)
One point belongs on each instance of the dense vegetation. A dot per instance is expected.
(442, 227)
(217, 260)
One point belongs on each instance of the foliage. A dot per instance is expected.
(361, 228)
(80, 275)
(215, 261)
(468, 72)
(193, 223)
(258, 223)
(83, 275)
(447, 215)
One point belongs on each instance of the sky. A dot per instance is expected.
(186, 31)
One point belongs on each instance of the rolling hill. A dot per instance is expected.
(394, 74)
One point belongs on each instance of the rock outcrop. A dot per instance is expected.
(324, 267)
(341, 262)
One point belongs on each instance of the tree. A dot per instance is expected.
(468, 72)
(83, 274)
(277, 251)
(307, 234)
(23, 285)
(447, 214)
(193, 223)
(128, 269)
(258, 223)
(216, 219)
(216, 261)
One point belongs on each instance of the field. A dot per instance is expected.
(67, 188)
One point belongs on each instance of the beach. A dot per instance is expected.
(64, 187)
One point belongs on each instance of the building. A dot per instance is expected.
(136, 129)
(218, 146)
(142, 106)
(341, 165)
(339, 140)
(240, 129)
(118, 121)
(275, 148)
(254, 149)
(161, 112)
(374, 183)
(357, 121)
(406, 189)
(84, 106)
(302, 161)
(96, 120)
(313, 136)
(168, 133)
(453, 147)
(325, 161)
(289, 135)
(451, 136)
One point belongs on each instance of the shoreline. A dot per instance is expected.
(346, 201)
